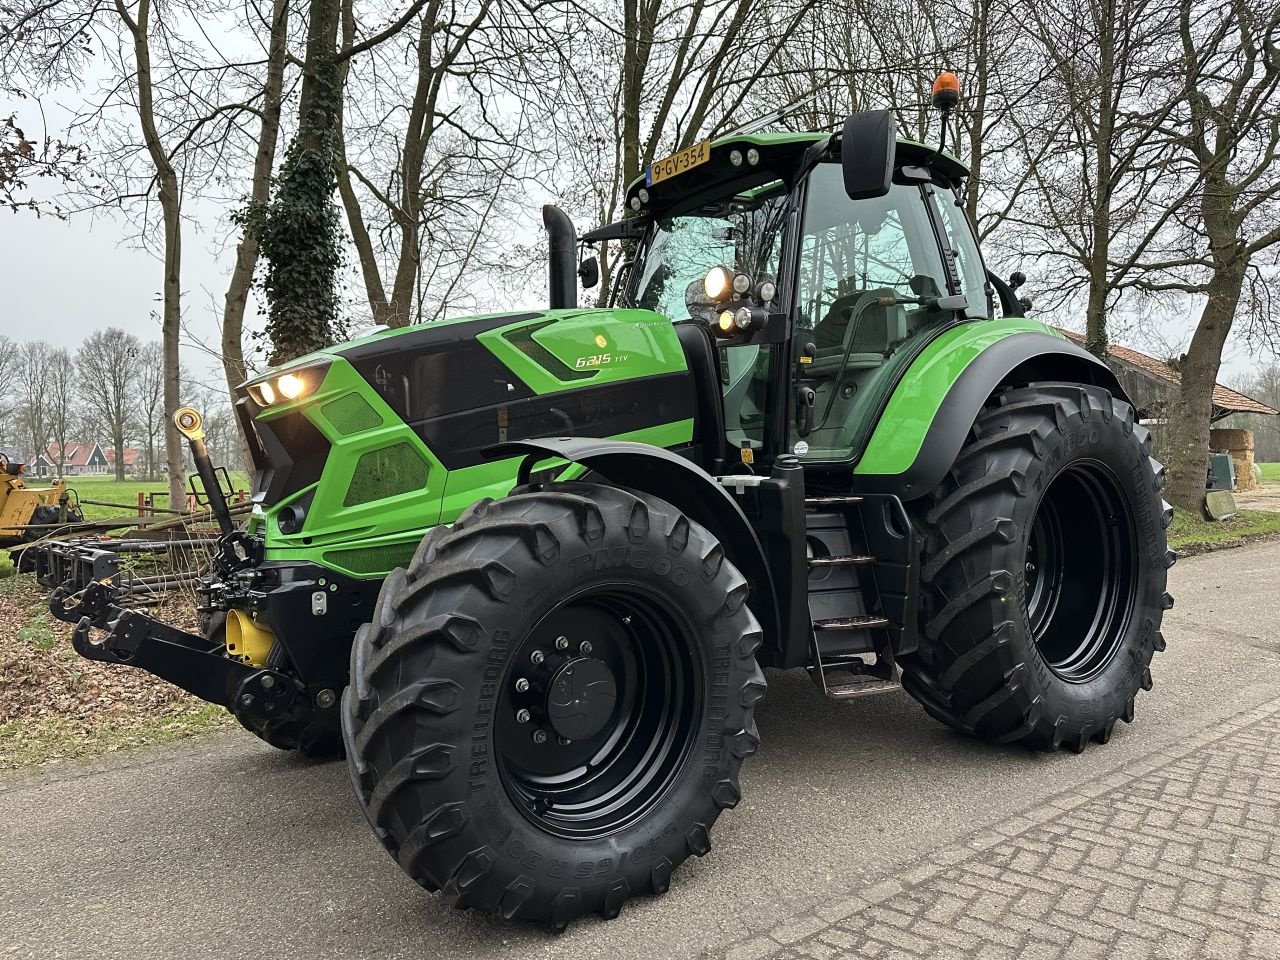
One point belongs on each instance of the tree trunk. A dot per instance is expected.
(1187, 429)
(117, 440)
(233, 364)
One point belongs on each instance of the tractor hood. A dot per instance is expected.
(388, 433)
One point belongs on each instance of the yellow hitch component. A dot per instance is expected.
(246, 641)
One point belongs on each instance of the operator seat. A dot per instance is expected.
(703, 359)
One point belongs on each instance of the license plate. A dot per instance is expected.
(678, 162)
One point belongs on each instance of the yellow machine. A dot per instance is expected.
(19, 504)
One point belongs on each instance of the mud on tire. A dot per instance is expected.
(441, 768)
(1044, 571)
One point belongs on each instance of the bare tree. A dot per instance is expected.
(23, 160)
(241, 279)
(1228, 128)
(107, 363)
(147, 411)
(32, 380)
(8, 373)
(61, 404)
(423, 165)
(1090, 147)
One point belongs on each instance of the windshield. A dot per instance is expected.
(743, 232)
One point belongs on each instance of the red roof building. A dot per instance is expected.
(1153, 383)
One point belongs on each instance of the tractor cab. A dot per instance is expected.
(819, 265)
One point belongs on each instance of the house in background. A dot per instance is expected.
(79, 460)
(1153, 385)
(135, 461)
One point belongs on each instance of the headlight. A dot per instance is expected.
(766, 291)
(741, 284)
(293, 385)
(717, 283)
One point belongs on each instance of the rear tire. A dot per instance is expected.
(464, 665)
(1044, 572)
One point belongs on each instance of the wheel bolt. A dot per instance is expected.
(627, 618)
(562, 643)
(522, 716)
(325, 699)
(268, 682)
(537, 656)
(539, 736)
(246, 700)
(522, 685)
(585, 647)
(563, 741)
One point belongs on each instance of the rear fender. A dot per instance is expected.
(924, 425)
(681, 483)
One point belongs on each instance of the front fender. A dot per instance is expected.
(933, 407)
(663, 474)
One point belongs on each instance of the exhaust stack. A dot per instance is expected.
(562, 243)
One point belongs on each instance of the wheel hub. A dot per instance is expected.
(580, 698)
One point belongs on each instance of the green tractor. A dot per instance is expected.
(524, 569)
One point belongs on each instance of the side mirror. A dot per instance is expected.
(589, 272)
(867, 148)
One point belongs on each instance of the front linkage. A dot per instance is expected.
(196, 664)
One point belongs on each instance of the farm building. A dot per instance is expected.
(1153, 384)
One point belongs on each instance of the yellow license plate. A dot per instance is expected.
(679, 162)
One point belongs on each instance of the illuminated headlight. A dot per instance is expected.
(735, 157)
(753, 156)
(726, 321)
(635, 204)
(766, 291)
(741, 284)
(716, 284)
(293, 385)
(643, 194)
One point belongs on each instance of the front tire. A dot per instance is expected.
(1044, 572)
(551, 706)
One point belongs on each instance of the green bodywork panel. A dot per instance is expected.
(900, 432)
(555, 352)
(594, 347)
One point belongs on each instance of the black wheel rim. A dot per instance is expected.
(1081, 571)
(596, 785)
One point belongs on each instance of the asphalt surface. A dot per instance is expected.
(228, 848)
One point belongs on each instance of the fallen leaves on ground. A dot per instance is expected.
(56, 705)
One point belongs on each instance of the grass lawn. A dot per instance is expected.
(126, 492)
(1190, 534)
(1270, 472)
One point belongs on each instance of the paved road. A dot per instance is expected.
(866, 830)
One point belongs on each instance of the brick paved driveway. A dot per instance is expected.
(1176, 856)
